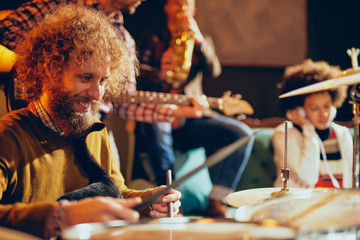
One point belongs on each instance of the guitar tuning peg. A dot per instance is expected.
(227, 93)
(238, 96)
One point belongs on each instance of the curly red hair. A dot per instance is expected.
(76, 33)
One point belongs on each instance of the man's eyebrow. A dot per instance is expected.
(86, 74)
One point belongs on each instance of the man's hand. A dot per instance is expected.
(197, 110)
(87, 210)
(97, 209)
(160, 205)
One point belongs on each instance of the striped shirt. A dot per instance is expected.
(334, 159)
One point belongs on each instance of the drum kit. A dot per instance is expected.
(263, 213)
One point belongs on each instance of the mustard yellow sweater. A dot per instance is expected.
(37, 166)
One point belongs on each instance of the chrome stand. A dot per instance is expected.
(355, 96)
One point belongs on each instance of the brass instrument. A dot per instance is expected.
(183, 44)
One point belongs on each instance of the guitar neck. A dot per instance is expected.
(159, 98)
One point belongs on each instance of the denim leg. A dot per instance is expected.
(159, 147)
(214, 133)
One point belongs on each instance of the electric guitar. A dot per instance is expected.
(227, 104)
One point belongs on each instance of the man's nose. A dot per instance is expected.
(96, 91)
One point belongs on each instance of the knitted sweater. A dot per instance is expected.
(37, 166)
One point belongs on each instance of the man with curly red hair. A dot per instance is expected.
(55, 149)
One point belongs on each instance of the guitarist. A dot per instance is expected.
(212, 131)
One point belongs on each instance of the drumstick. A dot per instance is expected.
(171, 204)
(217, 157)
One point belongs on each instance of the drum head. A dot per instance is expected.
(309, 210)
(181, 229)
(252, 196)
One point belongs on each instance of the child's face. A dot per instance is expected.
(317, 107)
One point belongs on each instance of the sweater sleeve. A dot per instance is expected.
(25, 217)
(29, 218)
(303, 155)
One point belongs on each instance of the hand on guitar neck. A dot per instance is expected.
(227, 104)
(199, 105)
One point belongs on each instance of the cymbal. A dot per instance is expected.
(348, 77)
(251, 196)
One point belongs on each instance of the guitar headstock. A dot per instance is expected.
(235, 105)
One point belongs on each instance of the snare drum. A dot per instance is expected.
(178, 229)
(315, 213)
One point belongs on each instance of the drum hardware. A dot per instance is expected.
(355, 97)
(285, 171)
(252, 196)
(215, 158)
(348, 77)
(170, 204)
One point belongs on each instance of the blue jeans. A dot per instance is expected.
(212, 133)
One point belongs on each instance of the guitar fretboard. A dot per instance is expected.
(159, 98)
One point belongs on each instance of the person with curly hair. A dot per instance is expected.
(55, 151)
(15, 26)
(319, 151)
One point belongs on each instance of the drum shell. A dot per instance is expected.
(179, 229)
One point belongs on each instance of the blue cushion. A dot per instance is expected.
(196, 189)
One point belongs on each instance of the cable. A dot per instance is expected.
(333, 179)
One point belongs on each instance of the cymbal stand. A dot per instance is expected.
(285, 171)
(355, 96)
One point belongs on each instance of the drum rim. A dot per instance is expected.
(71, 232)
(90, 229)
(247, 211)
(229, 200)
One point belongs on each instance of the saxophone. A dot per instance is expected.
(182, 41)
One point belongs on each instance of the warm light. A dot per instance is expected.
(269, 222)
(7, 59)
(206, 220)
(4, 13)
